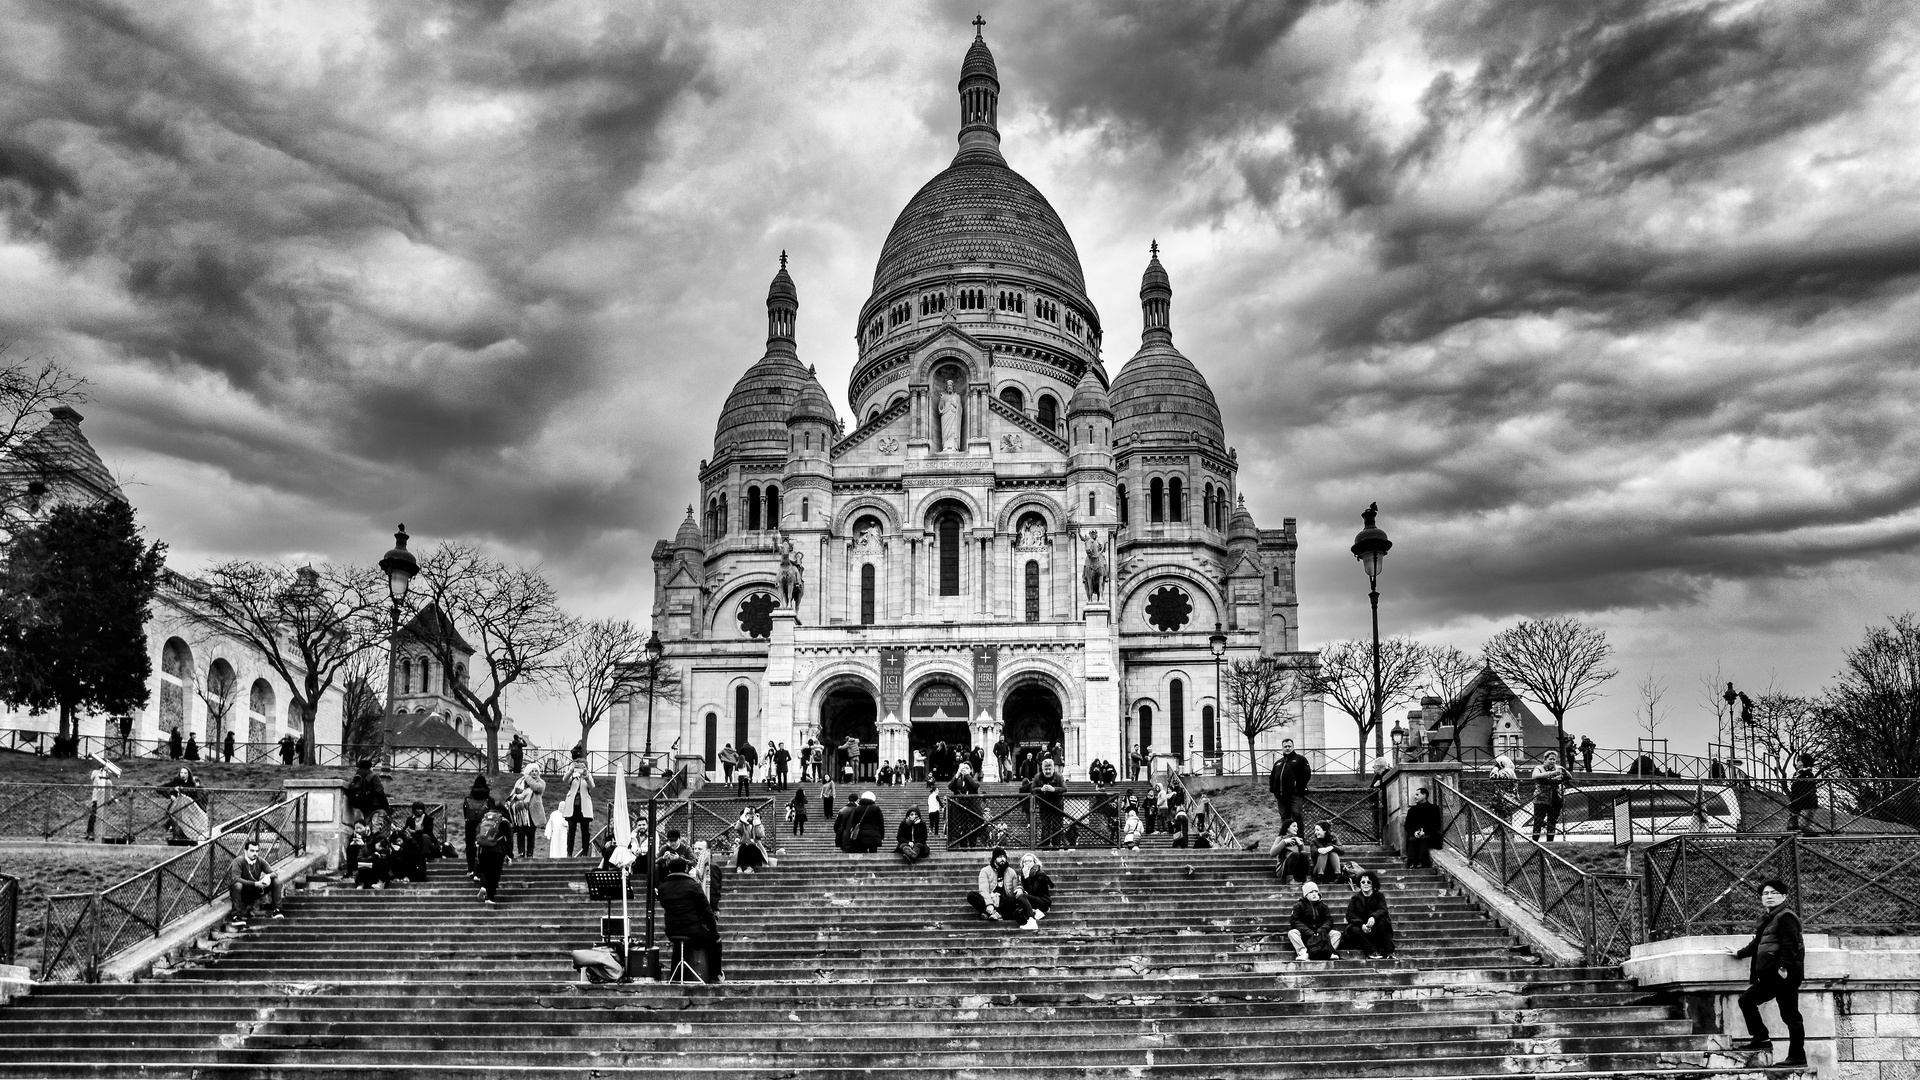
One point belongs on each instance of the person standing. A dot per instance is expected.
(933, 809)
(226, 747)
(1586, 753)
(729, 761)
(1548, 781)
(868, 826)
(1422, 829)
(102, 790)
(1777, 962)
(826, 800)
(743, 775)
(517, 753)
(192, 750)
(173, 744)
(1803, 795)
(472, 809)
(578, 802)
(797, 809)
(366, 796)
(527, 810)
(1004, 767)
(496, 847)
(780, 760)
(1288, 781)
(286, 750)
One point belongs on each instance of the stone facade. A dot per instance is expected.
(1006, 541)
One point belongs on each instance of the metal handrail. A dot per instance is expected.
(1569, 898)
(85, 930)
(1211, 823)
(9, 916)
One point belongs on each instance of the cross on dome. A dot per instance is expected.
(1154, 249)
(783, 258)
(979, 25)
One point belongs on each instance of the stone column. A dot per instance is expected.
(1101, 735)
(776, 692)
(893, 737)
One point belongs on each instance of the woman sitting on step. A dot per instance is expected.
(751, 854)
(1326, 853)
(998, 895)
(1367, 920)
(1036, 884)
(911, 839)
(1291, 860)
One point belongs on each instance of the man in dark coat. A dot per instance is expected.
(226, 746)
(1778, 962)
(867, 825)
(1423, 830)
(1310, 927)
(286, 749)
(780, 760)
(689, 915)
(366, 795)
(1288, 781)
(1000, 752)
(173, 744)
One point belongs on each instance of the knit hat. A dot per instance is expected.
(866, 796)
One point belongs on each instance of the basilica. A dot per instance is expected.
(999, 540)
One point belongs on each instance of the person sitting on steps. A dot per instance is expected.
(1326, 853)
(910, 843)
(249, 880)
(1291, 861)
(1310, 927)
(998, 894)
(751, 854)
(1367, 918)
(1036, 885)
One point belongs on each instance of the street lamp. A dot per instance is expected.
(1399, 736)
(1217, 644)
(654, 651)
(1370, 546)
(399, 565)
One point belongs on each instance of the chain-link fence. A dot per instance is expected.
(85, 930)
(1353, 814)
(1838, 884)
(1602, 912)
(1077, 819)
(124, 814)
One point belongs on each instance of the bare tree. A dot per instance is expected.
(1260, 698)
(1784, 726)
(33, 469)
(1556, 662)
(511, 617)
(219, 691)
(1647, 708)
(364, 705)
(1345, 677)
(308, 623)
(1450, 671)
(607, 664)
(1869, 719)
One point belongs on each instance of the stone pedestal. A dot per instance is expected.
(696, 770)
(1100, 735)
(777, 719)
(1403, 781)
(893, 738)
(327, 828)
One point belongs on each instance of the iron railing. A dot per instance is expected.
(1600, 911)
(1353, 814)
(128, 814)
(9, 916)
(1207, 821)
(1850, 884)
(1666, 807)
(1073, 819)
(435, 758)
(85, 930)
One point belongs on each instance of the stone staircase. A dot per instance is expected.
(1157, 962)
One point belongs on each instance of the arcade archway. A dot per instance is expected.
(1032, 716)
(939, 712)
(850, 709)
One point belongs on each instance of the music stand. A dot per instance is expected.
(605, 886)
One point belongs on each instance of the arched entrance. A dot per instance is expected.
(1032, 717)
(849, 709)
(939, 712)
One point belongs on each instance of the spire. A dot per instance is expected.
(979, 100)
(783, 303)
(1156, 299)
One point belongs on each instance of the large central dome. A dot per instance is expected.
(978, 211)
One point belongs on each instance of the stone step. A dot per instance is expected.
(1461, 1069)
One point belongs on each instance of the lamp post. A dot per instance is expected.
(1399, 736)
(399, 565)
(1217, 644)
(654, 651)
(1370, 546)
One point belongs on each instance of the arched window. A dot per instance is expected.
(1156, 500)
(948, 529)
(1206, 507)
(1033, 590)
(753, 509)
(866, 594)
(1209, 739)
(804, 505)
(1012, 396)
(1146, 728)
(740, 715)
(1276, 577)
(1047, 411)
(1120, 503)
(773, 506)
(406, 676)
(1176, 507)
(460, 674)
(713, 518)
(1093, 504)
(713, 740)
(1177, 717)
(426, 675)
(873, 414)
(723, 513)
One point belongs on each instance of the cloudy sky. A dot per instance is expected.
(1613, 307)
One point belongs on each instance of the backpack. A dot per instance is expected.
(492, 831)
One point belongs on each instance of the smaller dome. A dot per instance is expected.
(979, 61)
(689, 534)
(813, 404)
(1156, 275)
(1240, 526)
(1090, 396)
(782, 287)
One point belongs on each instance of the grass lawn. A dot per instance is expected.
(47, 870)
